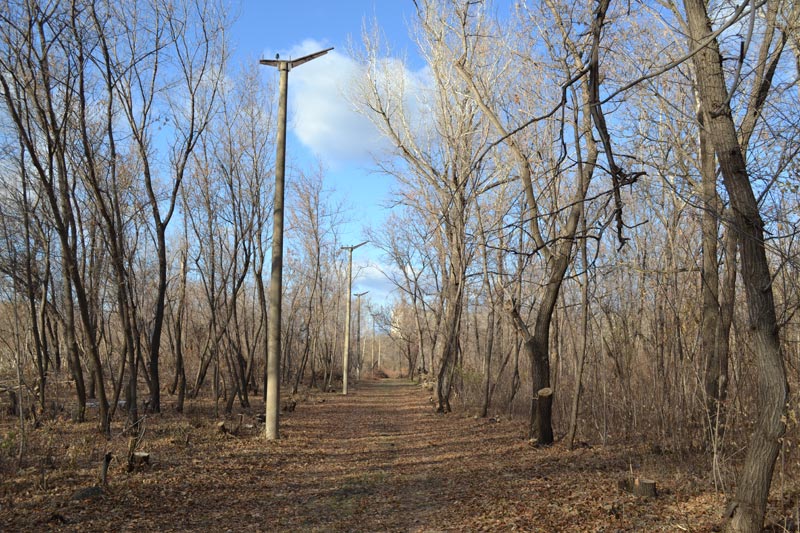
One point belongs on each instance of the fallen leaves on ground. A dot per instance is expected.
(378, 459)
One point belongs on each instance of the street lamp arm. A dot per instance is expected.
(294, 62)
(299, 61)
(351, 248)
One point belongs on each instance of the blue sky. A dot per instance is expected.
(269, 25)
(321, 124)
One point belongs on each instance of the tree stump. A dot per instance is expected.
(543, 416)
(13, 402)
(138, 460)
(645, 488)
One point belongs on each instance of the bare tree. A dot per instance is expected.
(443, 171)
(313, 221)
(557, 249)
(42, 111)
(749, 506)
(412, 272)
(174, 53)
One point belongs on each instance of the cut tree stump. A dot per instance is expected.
(138, 460)
(645, 488)
(13, 402)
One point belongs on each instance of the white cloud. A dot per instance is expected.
(325, 120)
(321, 116)
(370, 278)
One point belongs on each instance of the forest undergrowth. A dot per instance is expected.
(379, 459)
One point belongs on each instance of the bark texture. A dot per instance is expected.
(749, 504)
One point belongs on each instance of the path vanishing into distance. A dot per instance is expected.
(379, 459)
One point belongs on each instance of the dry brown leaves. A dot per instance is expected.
(379, 459)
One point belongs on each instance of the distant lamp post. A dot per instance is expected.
(372, 363)
(346, 355)
(359, 348)
(276, 278)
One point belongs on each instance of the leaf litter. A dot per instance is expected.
(378, 459)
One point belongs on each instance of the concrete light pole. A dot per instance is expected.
(372, 315)
(276, 278)
(359, 347)
(346, 355)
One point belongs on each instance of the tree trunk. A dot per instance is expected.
(451, 324)
(538, 352)
(487, 363)
(180, 367)
(576, 399)
(748, 507)
(30, 292)
(716, 371)
(158, 315)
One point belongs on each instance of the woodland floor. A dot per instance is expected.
(379, 459)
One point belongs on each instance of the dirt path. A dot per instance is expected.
(379, 459)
